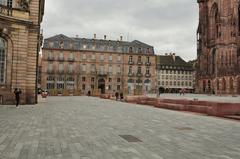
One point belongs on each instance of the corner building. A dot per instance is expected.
(74, 66)
(174, 74)
(218, 35)
(20, 40)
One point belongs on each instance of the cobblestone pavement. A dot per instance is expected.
(90, 128)
(200, 97)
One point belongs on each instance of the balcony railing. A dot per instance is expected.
(50, 71)
(148, 63)
(6, 10)
(101, 73)
(130, 62)
(147, 75)
(139, 63)
(50, 58)
(70, 72)
(139, 74)
(71, 59)
(130, 74)
(60, 71)
(60, 58)
(93, 72)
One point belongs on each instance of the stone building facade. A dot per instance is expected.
(174, 74)
(218, 35)
(19, 46)
(74, 66)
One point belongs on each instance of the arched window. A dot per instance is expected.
(214, 18)
(3, 53)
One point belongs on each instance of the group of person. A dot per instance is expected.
(119, 96)
(182, 92)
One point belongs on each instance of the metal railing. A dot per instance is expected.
(6, 10)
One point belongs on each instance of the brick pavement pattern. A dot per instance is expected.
(91, 128)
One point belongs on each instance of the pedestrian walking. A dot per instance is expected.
(17, 93)
(89, 93)
(116, 95)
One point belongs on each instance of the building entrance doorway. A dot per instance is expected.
(101, 85)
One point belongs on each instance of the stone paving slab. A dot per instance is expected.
(90, 128)
(200, 97)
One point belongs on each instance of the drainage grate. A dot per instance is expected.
(184, 128)
(130, 138)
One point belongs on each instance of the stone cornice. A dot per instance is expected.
(15, 20)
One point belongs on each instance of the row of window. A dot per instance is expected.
(131, 49)
(83, 68)
(93, 57)
(175, 72)
(175, 83)
(177, 77)
(60, 86)
(174, 67)
(71, 79)
(139, 70)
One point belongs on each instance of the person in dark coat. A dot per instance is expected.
(17, 93)
(89, 93)
(116, 95)
(121, 96)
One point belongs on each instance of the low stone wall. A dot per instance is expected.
(209, 108)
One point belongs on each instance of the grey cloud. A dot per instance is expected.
(168, 25)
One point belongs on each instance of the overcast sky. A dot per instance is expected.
(168, 25)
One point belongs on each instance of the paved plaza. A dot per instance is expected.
(200, 97)
(93, 128)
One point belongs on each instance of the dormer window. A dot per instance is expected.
(61, 45)
(148, 50)
(139, 50)
(51, 44)
(130, 49)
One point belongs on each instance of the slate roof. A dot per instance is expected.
(96, 44)
(168, 60)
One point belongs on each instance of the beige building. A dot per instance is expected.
(19, 46)
(174, 74)
(78, 65)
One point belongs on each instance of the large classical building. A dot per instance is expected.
(74, 66)
(218, 35)
(19, 46)
(174, 74)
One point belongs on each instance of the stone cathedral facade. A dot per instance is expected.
(20, 41)
(218, 37)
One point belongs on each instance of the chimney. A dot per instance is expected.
(174, 56)
(105, 37)
(121, 38)
(95, 36)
